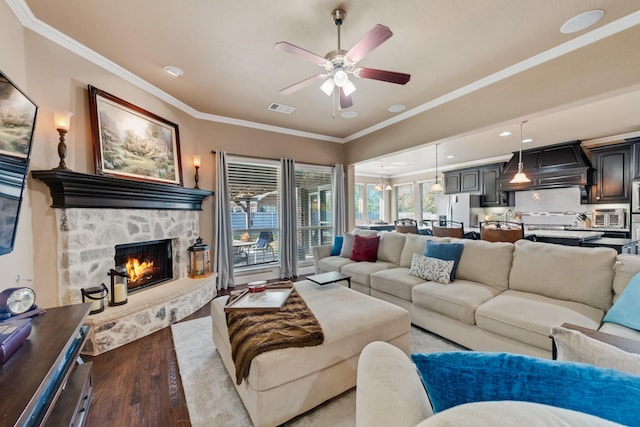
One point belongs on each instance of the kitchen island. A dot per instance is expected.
(621, 245)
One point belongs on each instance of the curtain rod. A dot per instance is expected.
(269, 158)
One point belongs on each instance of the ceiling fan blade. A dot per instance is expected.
(385, 76)
(302, 84)
(345, 101)
(374, 38)
(300, 52)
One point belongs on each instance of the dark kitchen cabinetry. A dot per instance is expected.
(483, 180)
(635, 157)
(462, 181)
(612, 174)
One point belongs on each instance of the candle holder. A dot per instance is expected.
(199, 259)
(119, 281)
(62, 120)
(95, 296)
(196, 164)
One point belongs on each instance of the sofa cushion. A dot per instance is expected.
(363, 232)
(445, 252)
(361, 272)
(347, 245)
(390, 248)
(416, 244)
(333, 263)
(428, 268)
(568, 273)
(625, 268)
(456, 378)
(365, 248)
(485, 262)
(528, 317)
(574, 346)
(621, 331)
(458, 300)
(626, 310)
(395, 281)
(509, 413)
(337, 245)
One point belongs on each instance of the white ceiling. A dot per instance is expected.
(451, 48)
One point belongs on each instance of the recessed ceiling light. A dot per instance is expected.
(174, 71)
(349, 114)
(527, 140)
(582, 21)
(397, 108)
(450, 156)
(505, 133)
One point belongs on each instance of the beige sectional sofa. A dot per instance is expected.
(506, 297)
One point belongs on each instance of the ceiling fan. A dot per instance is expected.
(339, 64)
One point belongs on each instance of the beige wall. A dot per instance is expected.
(55, 78)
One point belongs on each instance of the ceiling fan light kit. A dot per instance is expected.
(339, 64)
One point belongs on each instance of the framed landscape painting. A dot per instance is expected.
(132, 143)
(17, 120)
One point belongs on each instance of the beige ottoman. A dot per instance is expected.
(285, 383)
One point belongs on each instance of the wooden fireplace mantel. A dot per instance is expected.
(79, 190)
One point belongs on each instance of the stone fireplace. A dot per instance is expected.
(103, 220)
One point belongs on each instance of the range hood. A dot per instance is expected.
(553, 166)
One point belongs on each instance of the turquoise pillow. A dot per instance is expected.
(626, 310)
(445, 252)
(454, 378)
(337, 245)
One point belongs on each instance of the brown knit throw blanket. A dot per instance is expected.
(254, 332)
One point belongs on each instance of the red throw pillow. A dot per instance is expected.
(365, 248)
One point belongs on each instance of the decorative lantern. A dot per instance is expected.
(199, 259)
(95, 296)
(118, 286)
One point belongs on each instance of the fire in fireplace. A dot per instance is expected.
(147, 263)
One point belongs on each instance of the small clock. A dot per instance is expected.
(16, 301)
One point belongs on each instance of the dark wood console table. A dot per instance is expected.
(44, 381)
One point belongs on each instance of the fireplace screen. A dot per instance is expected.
(147, 263)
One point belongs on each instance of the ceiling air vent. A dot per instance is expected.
(281, 108)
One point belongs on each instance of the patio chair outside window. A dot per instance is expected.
(263, 244)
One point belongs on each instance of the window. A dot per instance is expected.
(428, 199)
(358, 204)
(254, 191)
(315, 208)
(404, 201)
(255, 188)
(374, 204)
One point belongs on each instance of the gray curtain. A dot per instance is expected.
(223, 260)
(288, 225)
(337, 181)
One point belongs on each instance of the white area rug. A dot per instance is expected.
(212, 399)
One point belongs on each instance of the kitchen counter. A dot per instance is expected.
(566, 234)
(622, 246)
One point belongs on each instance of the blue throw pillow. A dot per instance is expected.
(337, 245)
(626, 310)
(445, 252)
(454, 378)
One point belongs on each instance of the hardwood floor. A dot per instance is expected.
(138, 384)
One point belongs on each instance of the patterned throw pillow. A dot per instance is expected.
(433, 269)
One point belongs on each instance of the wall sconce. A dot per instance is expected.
(62, 121)
(199, 259)
(196, 164)
(118, 286)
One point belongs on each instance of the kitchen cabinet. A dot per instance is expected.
(612, 183)
(635, 157)
(462, 181)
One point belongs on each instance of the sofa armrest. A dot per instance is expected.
(389, 391)
(320, 252)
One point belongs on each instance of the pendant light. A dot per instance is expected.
(381, 185)
(520, 176)
(437, 187)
